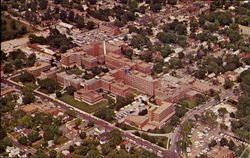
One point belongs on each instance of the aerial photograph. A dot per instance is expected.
(125, 79)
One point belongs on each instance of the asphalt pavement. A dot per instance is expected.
(83, 115)
(189, 115)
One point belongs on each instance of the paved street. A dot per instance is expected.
(83, 115)
(189, 115)
(22, 147)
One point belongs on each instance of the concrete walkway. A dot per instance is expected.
(169, 135)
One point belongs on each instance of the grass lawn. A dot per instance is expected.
(161, 141)
(46, 91)
(30, 85)
(43, 91)
(81, 105)
(191, 102)
(166, 129)
(75, 70)
(16, 79)
(125, 126)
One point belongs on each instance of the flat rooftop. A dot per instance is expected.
(107, 78)
(120, 85)
(38, 66)
(163, 107)
(69, 77)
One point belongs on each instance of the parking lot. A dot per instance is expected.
(200, 138)
(133, 108)
(90, 36)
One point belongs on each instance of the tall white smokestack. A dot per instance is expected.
(104, 48)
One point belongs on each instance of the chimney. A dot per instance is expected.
(104, 48)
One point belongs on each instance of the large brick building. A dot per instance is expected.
(38, 68)
(140, 81)
(89, 96)
(68, 80)
(116, 61)
(89, 55)
(156, 117)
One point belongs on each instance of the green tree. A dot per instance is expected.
(166, 50)
(115, 138)
(93, 154)
(26, 77)
(48, 84)
(13, 25)
(71, 113)
(105, 114)
(92, 2)
(31, 60)
(28, 98)
(70, 90)
(212, 144)
(228, 83)
(78, 122)
(181, 29)
(222, 111)
(8, 68)
(90, 25)
(175, 63)
(58, 94)
(231, 145)
(223, 142)
(158, 67)
(71, 148)
(18, 63)
(24, 140)
(106, 149)
(33, 136)
(53, 154)
(82, 135)
(91, 124)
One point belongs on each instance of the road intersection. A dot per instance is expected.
(108, 126)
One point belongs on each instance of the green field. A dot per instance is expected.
(161, 141)
(11, 28)
(166, 129)
(125, 126)
(69, 99)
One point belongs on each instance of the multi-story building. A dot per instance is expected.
(159, 114)
(89, 96)
(156, 117)
(100, 49)
(116, 61)
(68, 80)
(140, 81)
(143, 66)
(50, 73)
(38, 68)
(71, 59)
(119, 88)
(88, 55)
